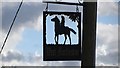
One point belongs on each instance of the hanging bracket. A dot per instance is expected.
(65, 3)
(46, 9)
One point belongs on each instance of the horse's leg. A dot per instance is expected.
(69, 38)
(65, 38)
(55, 39)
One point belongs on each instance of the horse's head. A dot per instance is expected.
(55, 19)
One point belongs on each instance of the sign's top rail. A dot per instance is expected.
(66, 3)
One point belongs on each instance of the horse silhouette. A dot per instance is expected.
(61, 29)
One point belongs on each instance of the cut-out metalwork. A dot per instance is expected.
(55, 52)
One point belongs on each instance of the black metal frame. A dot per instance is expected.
(65, 3)
(60, 52)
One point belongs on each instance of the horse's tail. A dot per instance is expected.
(72, 30)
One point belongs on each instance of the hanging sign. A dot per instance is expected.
(61, 51)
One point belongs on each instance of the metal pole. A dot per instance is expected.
(89, 34)
(11, 27)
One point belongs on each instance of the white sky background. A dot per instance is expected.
(106, 35)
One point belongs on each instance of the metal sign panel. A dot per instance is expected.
(62, 52)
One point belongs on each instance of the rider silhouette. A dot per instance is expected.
(60, 29)
(62, 22)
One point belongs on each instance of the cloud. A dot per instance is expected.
(12, 55)
(28, 14)
(119, 45)
(107, 7)
(107, 34)
(16, 58)
(38, 24)
(110, 59)
(107, 44)
(13, 39)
